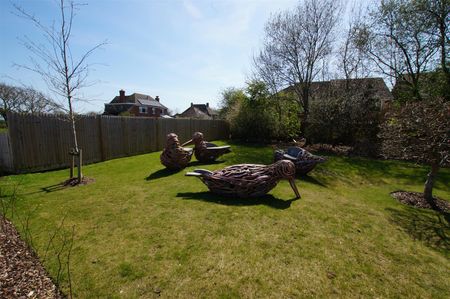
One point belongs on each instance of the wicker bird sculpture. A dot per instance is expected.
(304, 161)
(205, 151)
(247, 180)
(174, 156)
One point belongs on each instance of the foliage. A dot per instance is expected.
(296, 45)
(419, 131)
(350, 116)
(25, 99)
(287, 112)
(403, 39)
(168, 234)
(255, 115)
(125, 113)
(231, 99)
(431, 85)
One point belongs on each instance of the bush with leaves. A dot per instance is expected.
(350, 117)
(255, 115)
(419, 131)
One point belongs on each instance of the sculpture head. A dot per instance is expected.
(285, 169)
(172, 140)
(197, 138)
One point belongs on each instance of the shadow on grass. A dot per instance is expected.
(162, 173)
(431, 228)
(349, 169)
(53, 188)
(268, 200)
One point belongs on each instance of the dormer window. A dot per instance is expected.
(142, 109)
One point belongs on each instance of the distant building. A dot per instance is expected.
(135, 104)
(199, 111)
(375, 88)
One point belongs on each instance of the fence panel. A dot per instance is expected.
(42, 142)
(6, 161)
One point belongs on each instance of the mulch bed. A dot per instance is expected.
(416, 199)
(72, 182)
(21, 273)
(339, 150)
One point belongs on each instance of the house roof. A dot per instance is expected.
(138, 99)
(199, 111)
(375, 86)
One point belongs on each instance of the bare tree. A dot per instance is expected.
(11, 99)
(396, 37)
(352, 62)
(295, 45)
(64, 73)
(25, 99)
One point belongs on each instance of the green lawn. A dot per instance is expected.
(141, 231)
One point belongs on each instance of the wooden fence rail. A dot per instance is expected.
(42, 142)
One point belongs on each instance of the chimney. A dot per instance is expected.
(207, 105)
(121, 95)
(157, 98)
(192, 104)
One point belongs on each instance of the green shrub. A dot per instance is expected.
(255, 115)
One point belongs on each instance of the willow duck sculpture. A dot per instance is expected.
(247, 180)
(174, 156)
(304, 161)
(205, 151)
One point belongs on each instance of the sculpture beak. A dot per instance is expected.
(188, 142)
(294, 187)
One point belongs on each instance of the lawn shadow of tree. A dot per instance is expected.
(268, 200)
(431, 228)
(52, 188)
(162, 173)
(348, 169)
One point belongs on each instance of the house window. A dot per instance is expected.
(153, 110)
(142, 109)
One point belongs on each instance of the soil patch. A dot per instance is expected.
(72, 182)
(21, 273)
(416, 199)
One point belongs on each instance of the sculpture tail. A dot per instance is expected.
(199, 172)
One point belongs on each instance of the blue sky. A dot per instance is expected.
(182, 50)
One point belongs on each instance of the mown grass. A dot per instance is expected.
(142, 231)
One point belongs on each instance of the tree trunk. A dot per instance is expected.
(303, 124)
(304, 117)
(428, 191)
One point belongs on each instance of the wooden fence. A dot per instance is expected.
(5, 153)
(42, 142)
